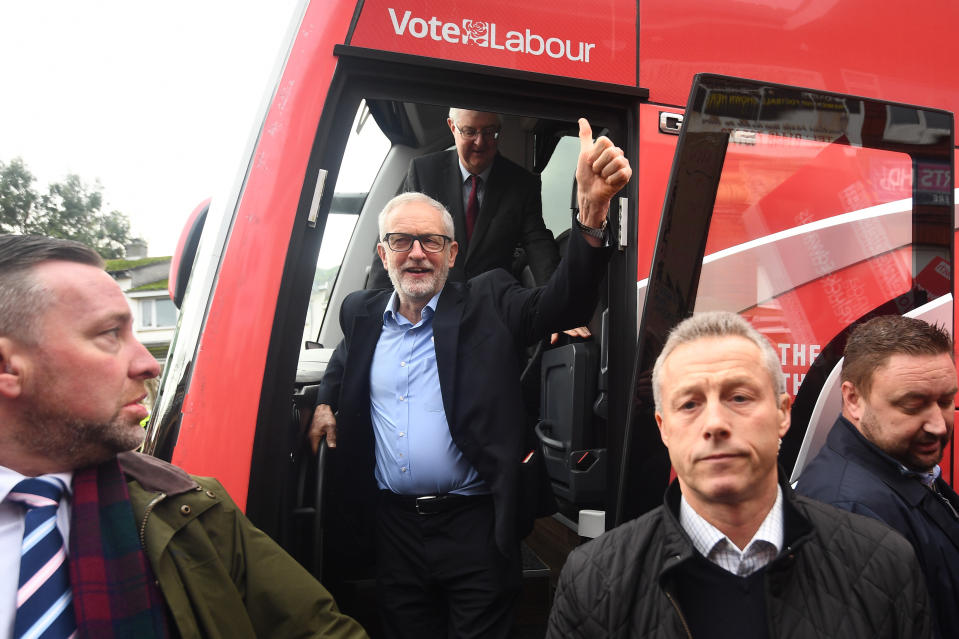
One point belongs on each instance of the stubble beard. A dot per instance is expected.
(902, 454)
(419, 290)
(76, 443)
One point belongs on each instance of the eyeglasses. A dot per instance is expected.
(469, 133)
(403, 242)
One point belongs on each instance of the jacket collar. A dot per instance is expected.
(364, 333)
(454, 188)
(678, 547)
(368, 325)
(850, 444)
(155, 475)
(454, 182)
(446, 330)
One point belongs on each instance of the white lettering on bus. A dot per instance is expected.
(485, 34)
(802, 354)
(797, 379)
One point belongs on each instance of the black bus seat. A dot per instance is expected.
(577, 469)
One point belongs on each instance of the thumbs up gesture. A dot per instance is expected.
(601, 172)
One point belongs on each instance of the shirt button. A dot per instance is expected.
(402, 364)
(403, 469)
(402, 399)
(402, 434)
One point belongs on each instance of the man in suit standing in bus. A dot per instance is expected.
(495, 203)
(97, 541)
(431, 424)
(881, 458)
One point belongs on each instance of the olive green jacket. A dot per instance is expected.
(219, 574)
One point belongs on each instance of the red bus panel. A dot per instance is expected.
(591, 41)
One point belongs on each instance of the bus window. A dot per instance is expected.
(557, 179)
(806, 237)
(365, 150)
(805, 212)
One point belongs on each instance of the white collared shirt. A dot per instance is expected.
(717, 547)
(11, 536)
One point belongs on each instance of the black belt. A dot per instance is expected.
(431, 504)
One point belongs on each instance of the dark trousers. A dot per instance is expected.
(441, 575)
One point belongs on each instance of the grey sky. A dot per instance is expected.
(153, 99)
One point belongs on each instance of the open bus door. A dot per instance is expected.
(806, 212)
(409, 111)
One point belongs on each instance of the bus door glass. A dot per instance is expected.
(364, 154)
(805, 212)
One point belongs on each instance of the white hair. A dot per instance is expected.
(410, 198)
(455, 113)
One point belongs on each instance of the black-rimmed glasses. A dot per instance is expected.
(469, 133)
(403, 242)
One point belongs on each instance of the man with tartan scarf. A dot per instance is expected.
(136, 547)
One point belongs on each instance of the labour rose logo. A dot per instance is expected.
(476, 31)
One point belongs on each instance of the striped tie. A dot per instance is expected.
(44, 599)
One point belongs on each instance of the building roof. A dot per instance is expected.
(114, 266)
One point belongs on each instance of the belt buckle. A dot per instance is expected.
(423, 503)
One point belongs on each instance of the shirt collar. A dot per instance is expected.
(465, 174)
(705, 536)
(392, 316)
(10, 478)
(926, 478)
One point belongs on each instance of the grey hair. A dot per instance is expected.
(413, 198)
(717, 324)
(455, 113)
(22, 298)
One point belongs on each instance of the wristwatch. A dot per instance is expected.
(599, 233)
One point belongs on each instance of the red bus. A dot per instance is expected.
(790, 164)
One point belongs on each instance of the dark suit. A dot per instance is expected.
(511, 215)
(852, 473)
(480, 331)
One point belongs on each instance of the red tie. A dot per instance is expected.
(472, 207)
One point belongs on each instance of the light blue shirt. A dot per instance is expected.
(415, 453)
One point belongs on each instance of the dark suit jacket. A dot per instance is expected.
(853, 474)
(511, 215)
(480, 332)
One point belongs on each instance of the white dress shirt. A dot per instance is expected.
(720, 550)
(11, 534)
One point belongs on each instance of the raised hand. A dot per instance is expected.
(601, 172)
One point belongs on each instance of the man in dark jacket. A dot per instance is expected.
(152, 551)
(881, 456)
(430, 417)
(733, 552)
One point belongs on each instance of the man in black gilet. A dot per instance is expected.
(733, 552)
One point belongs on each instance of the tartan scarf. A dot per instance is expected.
(114, 590)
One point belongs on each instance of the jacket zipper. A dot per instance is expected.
(679, 612)
(146, 515)
(945, 501)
